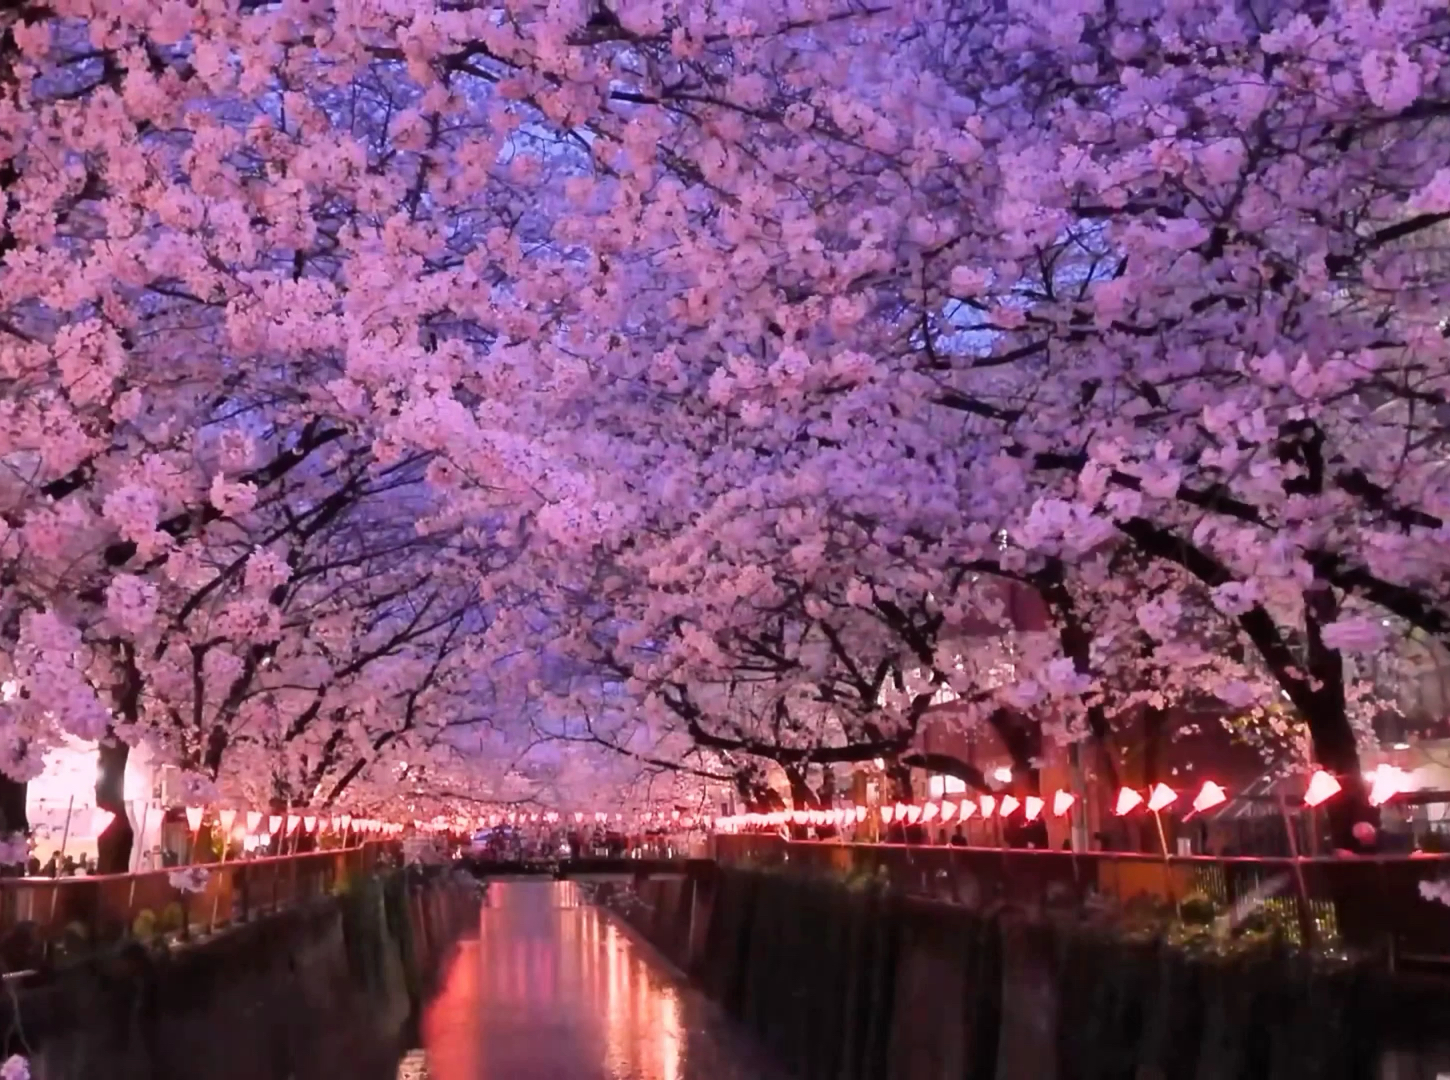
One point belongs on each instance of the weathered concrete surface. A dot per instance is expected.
(306, 995)
(849, 984)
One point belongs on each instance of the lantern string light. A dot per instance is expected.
(1322, 787)
(1128, 801)
(1209, 796)
(1386, 782)
(1161, 797)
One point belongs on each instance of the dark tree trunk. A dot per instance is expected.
(1324, 708)
(899, 773)
(13, 818)
(113, 846)
(1023, 740)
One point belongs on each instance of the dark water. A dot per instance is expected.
(553, 989)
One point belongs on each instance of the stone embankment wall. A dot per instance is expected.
(324, 993)
(851, 984)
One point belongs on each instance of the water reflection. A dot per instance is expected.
(554, 990)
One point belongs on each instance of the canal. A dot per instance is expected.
(554, 989)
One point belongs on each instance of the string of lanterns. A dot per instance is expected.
(285, 825)
(1386, 781)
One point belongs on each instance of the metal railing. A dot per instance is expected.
(82, 912)
(1368, 903)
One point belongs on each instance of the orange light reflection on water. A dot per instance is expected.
(555, 989)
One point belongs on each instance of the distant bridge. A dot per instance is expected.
(483, 867)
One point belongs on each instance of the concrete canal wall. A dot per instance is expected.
(319, 993)
(846, 983)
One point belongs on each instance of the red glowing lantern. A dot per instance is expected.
(1034, 807)
(292, 822)
(966, 809)
(887, 813)
(860, 814)
(1322, 786)
(194, 815)
(309, 823)
(1128, 800)
(1161, 797)
(929, 813)
(913, 813)
(1209, 796)
(1009, 806)
(1062, 802)
(274, 823)
(1387, 781)
(226, 818)
(254, 818)
(948, 811)
(988, 804)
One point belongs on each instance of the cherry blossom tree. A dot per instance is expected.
(747, 348)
